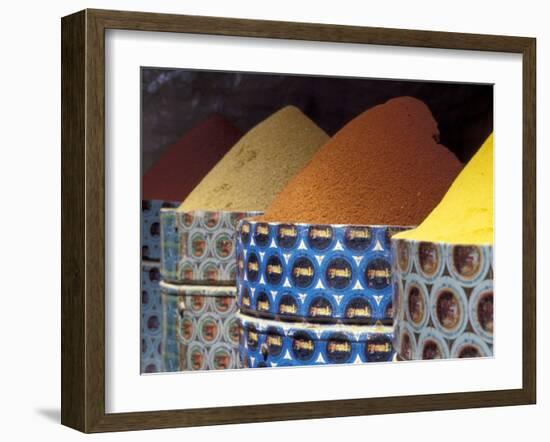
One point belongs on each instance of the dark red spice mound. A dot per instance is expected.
(184, 164)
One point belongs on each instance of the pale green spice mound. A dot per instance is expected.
(251, 174)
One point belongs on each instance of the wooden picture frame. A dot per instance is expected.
(83, 220)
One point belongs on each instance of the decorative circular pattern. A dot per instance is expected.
(187, 331)
(261, 235)
(221, 357)
(252, 268)
(286, 236)
(287, 307)
(188, 220)
(231, 329)
(321, 308)
(274, 272)
(320, 238)
(151, 366)
(469, 345)
(197, 357)
(339, 348)
(150, 294)
(468, 264)
(358, 309)
(357, 238)
(204, 333)
(377, 273)
(340, 273)
(223, 306)
(416, 302)
(196, 304)
(211, 220)
(188, 270)
(245, 231)
(406, 342)
(403, 257)
(450, 315)
(303, 347)
(481, 310)
(303, 272)
(199, 247)
(152, 323)
(223, 244)
(209, 328)
(315, 273)
(274, 341)
(268, 343)
(429, 260)
(263, 302)
(150, 227)
(432, 345)
(210, 272)
(449, 307)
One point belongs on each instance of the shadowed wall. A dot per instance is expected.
(174, 100)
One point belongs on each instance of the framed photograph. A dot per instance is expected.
(318, 201)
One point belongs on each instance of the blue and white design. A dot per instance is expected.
(315, 273)
(151, 319)
(150, 227)
(268, 343)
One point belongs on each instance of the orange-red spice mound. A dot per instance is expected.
(384, 167)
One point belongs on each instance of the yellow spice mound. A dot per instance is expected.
(249, 176)
(465, 214)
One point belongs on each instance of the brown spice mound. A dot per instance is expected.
(384, 167)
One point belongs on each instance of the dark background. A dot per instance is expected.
(174, 100)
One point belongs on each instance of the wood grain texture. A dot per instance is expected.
(145, 21)
(83, 220)
(95, 221)
(73, 253)
(529, 221)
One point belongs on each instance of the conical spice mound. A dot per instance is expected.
(185, 163)
(385, 167)
(465, 215)
(249, 176)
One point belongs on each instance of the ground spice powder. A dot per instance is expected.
(182, 166)
(465, 215)
(249, 176)
(384, 167)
